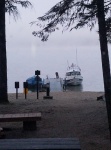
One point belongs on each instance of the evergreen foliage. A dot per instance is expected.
(72, 14)
(11, 6)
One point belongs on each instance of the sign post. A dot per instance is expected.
(25, 84)
(16, 86)
(37, 73)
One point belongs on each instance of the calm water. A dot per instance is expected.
(23, 63)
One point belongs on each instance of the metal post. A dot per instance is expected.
(37, 88)
(48, 91)
(25, 94)
(16, 93)
(25, 85)
(16, 86)
(37, 72)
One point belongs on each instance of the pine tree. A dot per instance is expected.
(10, 7)
(75, 14)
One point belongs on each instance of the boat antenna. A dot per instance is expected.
(76, 57)
(68, 64)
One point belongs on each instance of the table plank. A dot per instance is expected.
(41, 144)
(20, 117)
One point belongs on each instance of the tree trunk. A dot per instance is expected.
(3, 59)
(105, 58)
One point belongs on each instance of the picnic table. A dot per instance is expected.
(28, 119)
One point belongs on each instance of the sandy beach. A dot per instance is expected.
(68, 114)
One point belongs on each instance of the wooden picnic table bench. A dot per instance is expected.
(40, 144)
(29, 119)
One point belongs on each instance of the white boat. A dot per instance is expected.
(73, 75)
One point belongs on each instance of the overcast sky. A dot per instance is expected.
(19, 33)
(24, 29)
(24, 50)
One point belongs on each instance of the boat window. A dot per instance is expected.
(68, 74)
(73, 73)
(78, 73)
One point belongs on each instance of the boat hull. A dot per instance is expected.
(74, 81)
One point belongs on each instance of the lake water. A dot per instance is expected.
(22, 65)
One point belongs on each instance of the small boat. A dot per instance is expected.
(32, 83)
(73, 75)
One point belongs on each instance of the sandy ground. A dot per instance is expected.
(68, 114)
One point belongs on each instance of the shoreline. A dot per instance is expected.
(56, 91)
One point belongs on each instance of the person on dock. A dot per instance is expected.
(57, 75)
(64, 84)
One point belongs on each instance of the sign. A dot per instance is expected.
(37, 72)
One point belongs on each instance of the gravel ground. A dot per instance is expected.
(68, 114)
